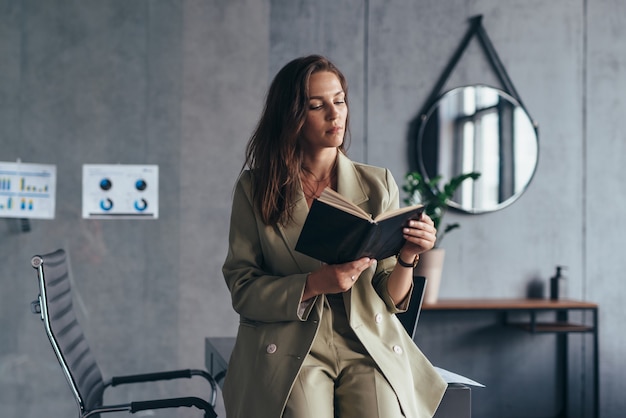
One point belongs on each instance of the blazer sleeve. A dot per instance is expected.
(257, 294)
(386, 266)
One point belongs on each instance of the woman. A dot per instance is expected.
(317, 340)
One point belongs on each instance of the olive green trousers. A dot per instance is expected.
(338, 378)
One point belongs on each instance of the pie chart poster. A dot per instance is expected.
(120, 191)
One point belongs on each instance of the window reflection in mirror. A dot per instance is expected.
(479, 128)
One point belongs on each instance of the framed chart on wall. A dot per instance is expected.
(27, 190)
(120, 191)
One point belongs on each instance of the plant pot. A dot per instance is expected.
(430, 266)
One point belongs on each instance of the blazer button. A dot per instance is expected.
(378, 318)
(271, 349)
(397, 349)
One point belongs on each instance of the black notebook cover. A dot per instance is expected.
(334, 236)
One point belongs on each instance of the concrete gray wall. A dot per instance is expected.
(181, 85)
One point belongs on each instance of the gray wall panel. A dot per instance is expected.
(605, 156)
(10, 67)
(224, 78)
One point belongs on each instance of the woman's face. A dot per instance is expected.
(325, 123)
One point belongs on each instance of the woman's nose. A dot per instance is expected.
(333, 112)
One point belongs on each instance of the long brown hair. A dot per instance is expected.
(274, 151)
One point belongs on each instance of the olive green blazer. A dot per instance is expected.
(266, 278)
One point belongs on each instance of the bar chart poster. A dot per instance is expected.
(27, 190)
(120, 191)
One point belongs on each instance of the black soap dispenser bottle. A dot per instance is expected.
(555, 285)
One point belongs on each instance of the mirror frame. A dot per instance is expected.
(421, 156)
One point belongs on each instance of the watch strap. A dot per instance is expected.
(405, 264)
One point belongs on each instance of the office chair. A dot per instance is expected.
(79, 365)
(410, 317)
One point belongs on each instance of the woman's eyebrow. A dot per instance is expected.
(321, 97)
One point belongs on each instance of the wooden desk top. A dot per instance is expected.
(506, 304)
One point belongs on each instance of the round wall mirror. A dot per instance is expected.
(479, 129)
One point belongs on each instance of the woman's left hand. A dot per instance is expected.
(420, 237)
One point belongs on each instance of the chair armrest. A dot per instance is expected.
(157, 376)
(148, 405)
(190, 401)
(167, 375)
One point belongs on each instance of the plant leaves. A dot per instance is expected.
(433, 197)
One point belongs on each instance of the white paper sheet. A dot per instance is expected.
(450, 377)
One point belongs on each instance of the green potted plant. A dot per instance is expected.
(435, 200)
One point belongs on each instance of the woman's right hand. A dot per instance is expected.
(335, 278)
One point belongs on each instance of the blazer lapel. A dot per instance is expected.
(348, 184)
(290, 234)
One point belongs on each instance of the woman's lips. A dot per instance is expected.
(334, 130)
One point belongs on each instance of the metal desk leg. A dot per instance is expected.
(596, 372)
(562, 352)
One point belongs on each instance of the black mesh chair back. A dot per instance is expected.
(79, 365)
(65, 334)
(411, 316)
